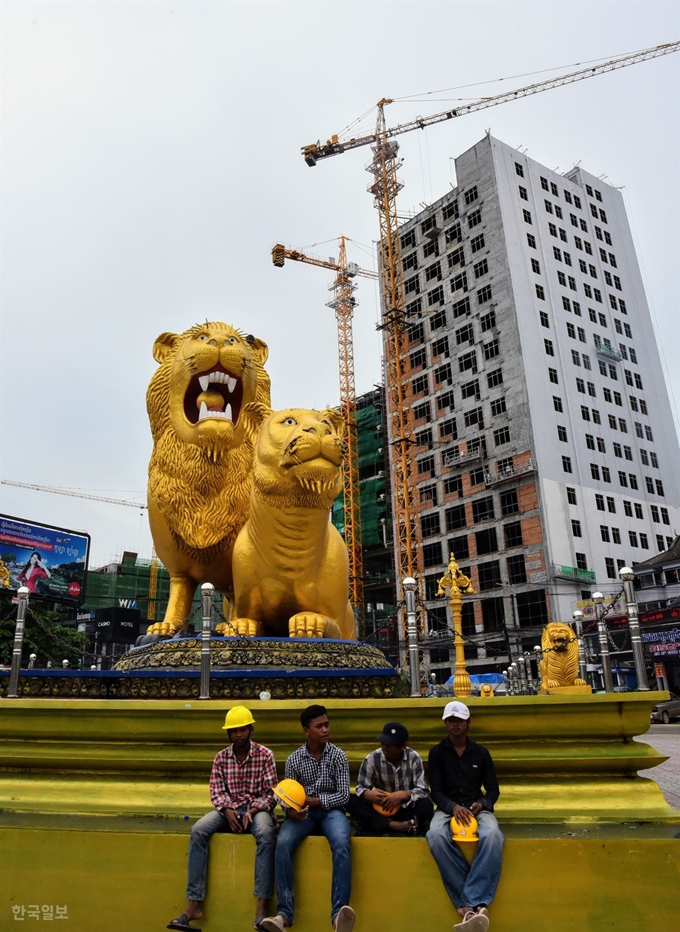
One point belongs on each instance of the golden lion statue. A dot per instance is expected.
(290, 564)
(4, 576)
(199, 473)
(559, 666)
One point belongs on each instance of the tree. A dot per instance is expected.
(43, 636)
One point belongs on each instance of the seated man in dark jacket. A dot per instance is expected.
(459, 768)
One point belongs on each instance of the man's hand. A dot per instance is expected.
(394, 801)
(298, 816)
(376, 796)
(475, 808)
(462, 814)
(234, 822)
(247, 819)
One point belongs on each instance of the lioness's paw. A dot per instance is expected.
(307, 625)
(164, 628)
(247, 627)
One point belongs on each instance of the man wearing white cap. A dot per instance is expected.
(463, 783)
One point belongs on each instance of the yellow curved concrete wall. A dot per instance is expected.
(122, 757)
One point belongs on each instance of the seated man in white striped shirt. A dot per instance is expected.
(393, 779)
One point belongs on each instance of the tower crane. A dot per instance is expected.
(384, 187)
(55, 490)
(343, 304)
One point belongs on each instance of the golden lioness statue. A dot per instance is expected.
(199, 473)
(290, 564)
(559, 666)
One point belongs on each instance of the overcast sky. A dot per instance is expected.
(151, 158)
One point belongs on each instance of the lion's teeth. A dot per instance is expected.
(203, 412)
(228, 414)
(231, 383)
(204, 381)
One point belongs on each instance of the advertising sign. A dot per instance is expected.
(664, 643)
(50, 561)
(118, 624)
(614, 606)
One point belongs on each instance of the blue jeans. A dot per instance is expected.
(264, 832)
(468, 885)
(332, 823)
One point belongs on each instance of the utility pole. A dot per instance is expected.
(13, 689)
(410, 586)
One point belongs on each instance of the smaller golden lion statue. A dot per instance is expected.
(290, 564)
(559, 666)
(4, 576)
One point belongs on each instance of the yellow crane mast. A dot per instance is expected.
(343, 304)
(385, 187)
(55, 490)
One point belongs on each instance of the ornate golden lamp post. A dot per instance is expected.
(458, 585)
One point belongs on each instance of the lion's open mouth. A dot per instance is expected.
(213, 394)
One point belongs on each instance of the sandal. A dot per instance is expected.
(182, 923)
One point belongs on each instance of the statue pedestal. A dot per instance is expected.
(244, 668)
(566, 691)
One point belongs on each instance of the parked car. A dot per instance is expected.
(665, 711)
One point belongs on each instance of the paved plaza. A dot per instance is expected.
(666, 740)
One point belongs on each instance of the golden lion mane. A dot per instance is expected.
(200, 468)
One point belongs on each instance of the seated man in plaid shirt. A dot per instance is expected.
(323, 771)
(393, 778)
(241, 791)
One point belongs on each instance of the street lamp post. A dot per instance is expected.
(207, 590)
(598, 599)
(582, 666)
(412, 633)
(627, 577)
(13, 688)
(458, 585)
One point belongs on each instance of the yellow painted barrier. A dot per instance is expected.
(128, 873)
(559, 758)
(93, 795)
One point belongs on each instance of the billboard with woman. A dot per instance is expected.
(51, 562)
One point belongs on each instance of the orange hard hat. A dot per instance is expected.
(383, 811)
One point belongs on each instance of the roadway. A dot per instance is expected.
(666, 740)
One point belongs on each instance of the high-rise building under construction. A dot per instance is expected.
(546, 456)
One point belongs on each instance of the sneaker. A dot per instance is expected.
(473, 922)
(272, 924)
(344, 921)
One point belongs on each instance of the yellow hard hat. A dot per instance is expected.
(238, 717)
(460, 832)
(291, 793)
